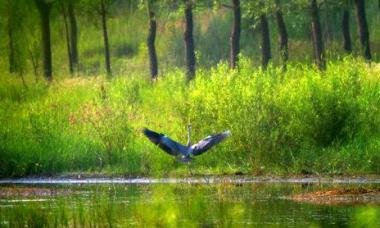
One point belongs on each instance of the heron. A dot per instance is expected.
(181, 152)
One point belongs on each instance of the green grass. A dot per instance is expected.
(300, 121)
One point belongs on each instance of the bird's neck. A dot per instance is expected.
(188, 137)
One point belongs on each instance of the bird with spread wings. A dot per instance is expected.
(182, 152)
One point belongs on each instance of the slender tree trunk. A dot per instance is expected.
(346, 31)
(11, 55)
(73, 36)
(44, 10)
(235, 34)
(105, 36)
(363, 28)
(21, 74)
(266, 50)
(151, 42)
(68, 40)
(34, 64)
(284, 50)
(189, 41)
(317, 35)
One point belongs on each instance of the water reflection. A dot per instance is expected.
(179, 205)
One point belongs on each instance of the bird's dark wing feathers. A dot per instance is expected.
(208, 142)
(165, 143)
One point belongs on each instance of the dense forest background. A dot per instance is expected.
(296, 82)
(128, 25)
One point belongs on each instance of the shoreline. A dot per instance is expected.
(212, 179)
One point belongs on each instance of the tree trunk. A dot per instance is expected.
(73, 36)
(266, 52)
(363, 28)
(317, 35)
(284, 50)
(151, 42)
(189, 41)
(67, 40)
(105, 36)
(44, 10)
(34, 64)
(235, 34)
(11, 56)
(346, 31)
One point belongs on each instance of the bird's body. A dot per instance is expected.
(182, 152)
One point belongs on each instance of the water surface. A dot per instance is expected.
(205, 202)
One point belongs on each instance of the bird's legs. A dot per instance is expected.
(189, 144)
(188, 135)
(189, 167)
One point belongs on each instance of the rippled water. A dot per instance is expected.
(206, 202)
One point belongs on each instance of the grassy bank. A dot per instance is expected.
(301, 121)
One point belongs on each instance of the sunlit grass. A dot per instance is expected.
(299, 121)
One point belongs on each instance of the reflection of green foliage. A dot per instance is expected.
(182, 205)
(366, 217)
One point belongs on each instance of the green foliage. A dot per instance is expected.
(302, 120)
(128, 26)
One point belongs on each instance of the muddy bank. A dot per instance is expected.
(203, 180)
(338, 196)
(19, 191)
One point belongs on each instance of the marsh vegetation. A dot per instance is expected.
(76, 86)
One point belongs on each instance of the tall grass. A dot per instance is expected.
(298, 121)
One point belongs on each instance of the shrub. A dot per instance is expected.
(298, 121)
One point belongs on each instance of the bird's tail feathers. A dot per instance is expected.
(224, 134)
(227, 133)
(184, 159)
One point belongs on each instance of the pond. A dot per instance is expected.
(177, 203)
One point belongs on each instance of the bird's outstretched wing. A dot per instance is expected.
(165, 143)
(208, 142)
